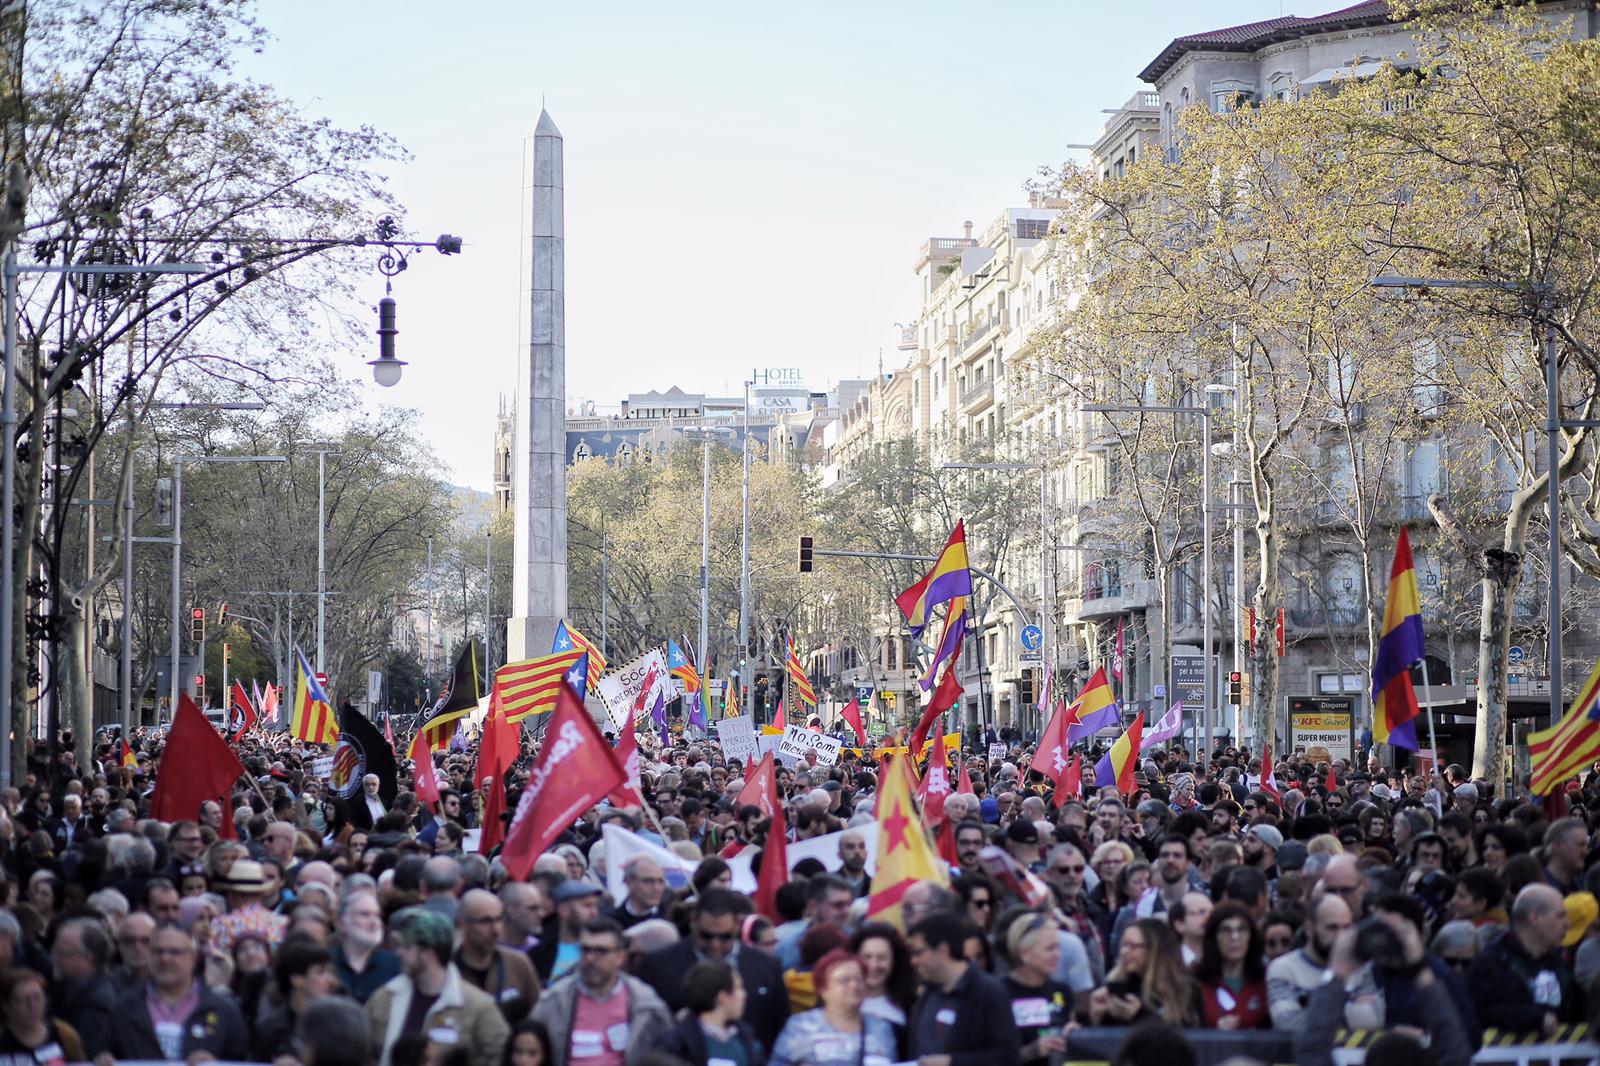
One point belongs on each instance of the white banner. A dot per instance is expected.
(619, 690)
(374, 687)
(797, 740)
(825, 849)
(322, 767)
(622, 845)
(737, 736)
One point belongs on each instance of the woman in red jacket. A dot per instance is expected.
(1232, 971)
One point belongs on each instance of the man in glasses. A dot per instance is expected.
(714, 934)
(430, 994)
(598, 1014)
(1065, 873)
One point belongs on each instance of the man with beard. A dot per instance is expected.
(970, 839)
(1172, 878)
(1261, 843)
(1293, 977)
(853, 862)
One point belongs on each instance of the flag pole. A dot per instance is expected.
(1433, 739)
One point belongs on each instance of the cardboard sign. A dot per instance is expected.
(619, 690)
(738, 738)
(322, 767)
(997, 753)
(797, 740)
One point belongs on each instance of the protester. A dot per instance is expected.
(710, 1031)
(837, 1032)
(430, 993)
(960, 1011)
(1149, 981)
(598, 1014)
(1040, 1005)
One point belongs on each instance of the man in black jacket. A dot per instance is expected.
(963, 1016)
(86, 996)
(1520, 983)
(714, 934)
(176, 1016)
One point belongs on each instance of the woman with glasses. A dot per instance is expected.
(1149, 981)
(890, 985)
(30, 1033)
(1277, 933)
(1040, 1005)
(1106, 898)
(837, 1033)
(1232, 973)
(978, 899)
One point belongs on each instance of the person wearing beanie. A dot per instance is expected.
(1261, 845)
(430, 993)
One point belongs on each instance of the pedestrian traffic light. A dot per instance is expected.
(197, 625)
(1235, 688)
(805, 555)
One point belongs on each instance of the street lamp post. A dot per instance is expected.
(705, 435)
(744, 546)
(1209, 680)
(177, 552)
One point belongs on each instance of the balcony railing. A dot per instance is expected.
(976, 393)
(1330, 615)
(979, 331)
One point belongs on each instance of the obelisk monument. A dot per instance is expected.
(539, 482)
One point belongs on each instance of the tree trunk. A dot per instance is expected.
(82, 675)
(1263, 652)
(1502, 572)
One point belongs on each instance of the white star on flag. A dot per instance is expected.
(563, 643)
(575, 675)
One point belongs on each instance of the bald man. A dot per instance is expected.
(502, 972)
(1520, 983)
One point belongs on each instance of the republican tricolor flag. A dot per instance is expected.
(1394, 700)
(1116, 766)
(950, 577)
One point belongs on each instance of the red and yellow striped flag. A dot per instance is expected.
(1557, 754)
(801, 689)
(531, 686)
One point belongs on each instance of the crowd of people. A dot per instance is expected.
(298, 927)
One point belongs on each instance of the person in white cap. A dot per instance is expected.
(1261, 843)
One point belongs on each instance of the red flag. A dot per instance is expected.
(627, 794)
(574, 771)
(423, 782)
(779, 722)
(388, 731)
(1050, 758)
(1333, 780)
(197, 766)
(1268, 784)
(761, 788)
(242, 716)
(944, 698)
(964, 787)
(774, 872)
(1116, 658)
(502, 742)
(932, 790)
(1071, 784)
(945, 842)
(851, 712)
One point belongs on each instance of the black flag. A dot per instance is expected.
(361, 751)
(459, 698)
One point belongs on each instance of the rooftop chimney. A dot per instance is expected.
(968, 227)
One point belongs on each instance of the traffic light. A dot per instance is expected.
(197, 625)
(805, 555)
(1025, 688)
(227, 654)
(222, 615)
(1235, 688)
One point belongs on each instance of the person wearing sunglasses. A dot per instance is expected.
(599, 1012)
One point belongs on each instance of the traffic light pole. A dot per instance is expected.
(825, 553)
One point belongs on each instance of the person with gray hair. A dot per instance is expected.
(333, 1031)
(111, 904)
(441, 880)
(85, 995)
(1456, 943)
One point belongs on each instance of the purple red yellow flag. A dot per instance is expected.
(1394, 700)
(950, 577)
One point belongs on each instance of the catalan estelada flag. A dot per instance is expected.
(1558, 753)
(905, 855)
(1394, 701)
(682, 668)
(955, 627)
(532, 685)
(1116, 766)
(1094, 709)
(800, 684)
(312, 719)
(569, 639)
(948, 579)
(128, 758)
(730, 700)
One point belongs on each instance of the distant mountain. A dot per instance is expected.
(474, 508)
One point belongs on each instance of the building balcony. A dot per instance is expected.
(979, 332)
(1329, 616)
(908, 339)
(975, 398)
(1110, 597)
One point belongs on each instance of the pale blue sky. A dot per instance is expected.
(747, 184)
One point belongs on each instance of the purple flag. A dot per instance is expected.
(697, 712)
(1170, 725)
(658, 715)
